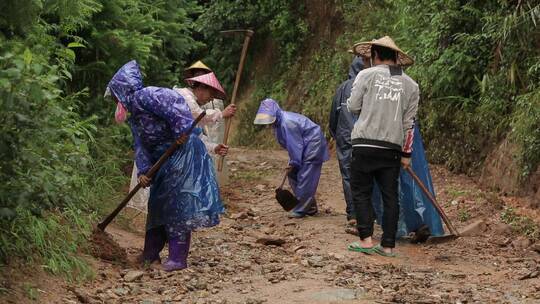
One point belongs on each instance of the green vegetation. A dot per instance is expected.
(463, 214)
(61, 156)
(521, 224)
(477, 63)
(31, 292)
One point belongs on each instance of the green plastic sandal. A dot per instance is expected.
(357, 248)
(380, 251)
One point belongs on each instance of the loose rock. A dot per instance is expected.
(133, 275)
(474, 229)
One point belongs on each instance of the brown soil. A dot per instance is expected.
(106, 248)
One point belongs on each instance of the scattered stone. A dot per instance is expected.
(271, 241)
(502, 242)
(111, 295)
(240, 216)
(255, 301)
(501, 228)
(133, 275)
(260, 188)
(521, 243)
(530, 275)
(458, 275)
(236, 280)
(295, 249)
(82, 296)
(247, 265)
(474, 229)
(333, 295)
(316, 261)
(336, 256)
(536, 247)
(121, 291)
(251, 212)
(135, 289)
(443, 258)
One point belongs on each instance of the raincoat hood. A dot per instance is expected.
(126, 81)
(268, 112)
(356, 66)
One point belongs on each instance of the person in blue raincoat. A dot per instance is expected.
(340, 126)
(184, 194)
(307, 148)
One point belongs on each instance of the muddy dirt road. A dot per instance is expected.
(232, 264)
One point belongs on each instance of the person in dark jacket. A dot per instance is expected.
(341, 125)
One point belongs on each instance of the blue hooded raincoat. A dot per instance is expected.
(184, 194)
(341, 125)
(307, 148)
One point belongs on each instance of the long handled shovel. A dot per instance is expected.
(285, 198)
(247, 37)
(150, 174)
(453, 232)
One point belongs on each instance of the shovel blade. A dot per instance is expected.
(432, 240)
(286, 199)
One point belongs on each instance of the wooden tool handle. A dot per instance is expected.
(433, 201)
(228, 121)
(284, 179)
(149, 174)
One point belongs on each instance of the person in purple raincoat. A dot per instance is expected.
(307, 148)
(184, 194)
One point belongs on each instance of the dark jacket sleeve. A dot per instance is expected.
(334, 111)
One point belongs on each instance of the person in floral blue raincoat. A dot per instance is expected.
(184, 194)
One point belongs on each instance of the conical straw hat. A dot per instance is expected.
(210, 80)
(199, 65)
(364, 49)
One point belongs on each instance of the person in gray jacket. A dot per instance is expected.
(386, 100)
(341, 125)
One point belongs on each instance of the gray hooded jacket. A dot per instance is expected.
(387, 101)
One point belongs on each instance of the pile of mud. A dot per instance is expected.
(104, 247)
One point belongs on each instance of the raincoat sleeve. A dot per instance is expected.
(354, 103)
(294, 144)
(408, 122)
(334, 112)
(171, 107)
(142, 156)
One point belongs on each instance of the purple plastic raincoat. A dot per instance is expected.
(184, 194)
(307, 148)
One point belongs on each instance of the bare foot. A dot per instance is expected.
(366, 243)
(388, 250)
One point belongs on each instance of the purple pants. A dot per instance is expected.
(304, 182)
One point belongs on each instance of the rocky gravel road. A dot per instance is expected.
(258, 255)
